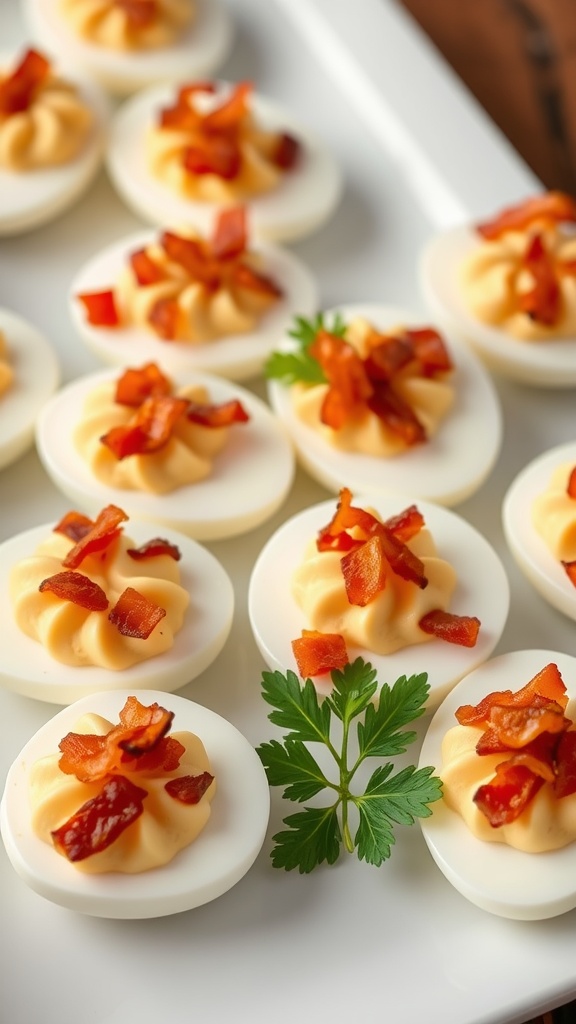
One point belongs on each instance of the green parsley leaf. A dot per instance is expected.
(300, 365)
(316, 834)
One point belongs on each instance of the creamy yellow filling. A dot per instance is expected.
(106, 23)
(390, 621)
(77, 636)
(492, 278)
(185, 459)
(546, 824)
(554, 515)
(430, 399)
(50, 132)
(164, 828)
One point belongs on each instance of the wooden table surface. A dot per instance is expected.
(518, 58)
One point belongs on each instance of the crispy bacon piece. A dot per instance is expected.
(101, 820)
(137, 384)
(505, 797)
(74, 587)
(74, 525)
(135, 615)
(145, 270)
(223, 415)
(550, 208)
(430, 351)
(547, 684)
(103, 531)
(149, 430)
(18, 89)
(542, 302)
(182, 115)
(348, 384)
(101, 310)
(317, 653)
(365, 571)
(231, 112)
(164, 317)
(189, 789)
(565, 781)
(570, 570)
(230, 233)
(139, 13)
(138, 743)
(245, 278)
(396, 413)
(153, 548)
(217, 155)
(286, 152)
(454, 629)
(406, 524)
(517, 727)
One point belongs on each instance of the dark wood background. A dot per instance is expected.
(518, 57)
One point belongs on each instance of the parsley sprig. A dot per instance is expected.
(316, 834)
(299, 365)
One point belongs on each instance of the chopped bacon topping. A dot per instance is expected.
(139, 13)
(135, 615)
(145, 270)
(138, 743)
(286, 152)
(74, 525)
(570, 570)
(102, 533)
(189, 789)
(530, 727)
(18, 89)
(223, 415)
(317, 653)
(406, 524)
(454, 629)
(150, 429)
(74, 587)
(356, 385)
(548, 209)
(365, 570)
(153, 548)
(101, 820)
(164, 318)
(543, 301)
(101, 310)
(137, 384)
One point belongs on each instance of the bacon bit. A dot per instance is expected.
(286, 152)
(231, 112)
(547, 684)
(565, 781)
(571, 486)
(551, 208)
(183, 115)
(542, 302)
(153, 548)
(570, 570)
(139, 13)
(542, 748)
(406, 524)
(18, 89)
(164, 318)
(150, 428)
(223, 415)
(516, 727)
(218, 155)
(138, 743)
(74, 525)
(215, 143)
(454, 629)
(74, 587)
(230, 233)
(247, 279)
(348, 384)
(346, 517)
(397, 414)
(137, 384)
(145, 270)
(365, 571)
(102, 533)
(135, 615)
(503, 799)
(101, 820)
(430, 351)
(189, 789)
(317, 653)
(100, 308)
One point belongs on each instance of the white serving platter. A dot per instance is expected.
(418, 155)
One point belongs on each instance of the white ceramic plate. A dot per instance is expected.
(482, 590)
(221, 855)
(236, 357)
(530, 552)
(549, 363)
(32, 198)
(304, 199)
(250, 478)
(37, 375)
(496, 877)
(441, 470)
(201, 49)
(28, 669)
